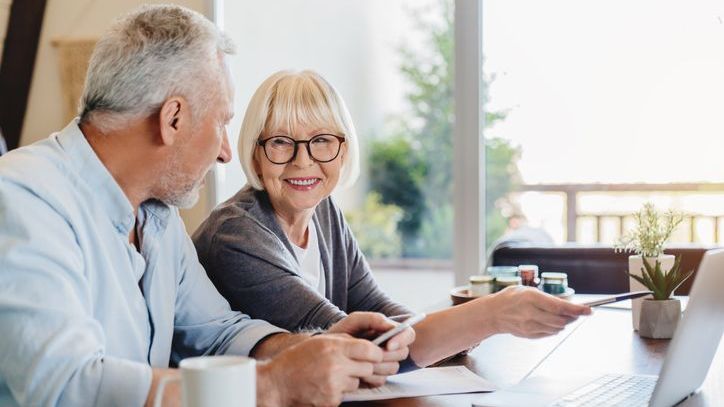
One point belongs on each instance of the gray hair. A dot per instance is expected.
(149, 55)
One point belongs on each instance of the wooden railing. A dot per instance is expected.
(571, 192)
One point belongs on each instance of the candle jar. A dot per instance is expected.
(555, 283)
(529, 274)
(502, 271)
(503, 282)
(481, 284)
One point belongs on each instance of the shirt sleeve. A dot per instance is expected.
(204, 322)
(51, 348)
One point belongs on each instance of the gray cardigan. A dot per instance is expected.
(251, 262)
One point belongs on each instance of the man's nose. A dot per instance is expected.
(225, 153)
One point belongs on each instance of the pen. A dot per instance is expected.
(619, 297)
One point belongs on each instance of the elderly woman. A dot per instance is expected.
(280, 249)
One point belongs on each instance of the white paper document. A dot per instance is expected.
(425, 382)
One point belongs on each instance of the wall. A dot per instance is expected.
(78, 19)
(69, 19)
(4, 16)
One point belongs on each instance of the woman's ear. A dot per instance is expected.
(343, 151)
(255, 164)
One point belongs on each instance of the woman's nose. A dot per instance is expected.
(302, 159)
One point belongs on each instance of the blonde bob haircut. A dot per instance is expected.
(287, 101)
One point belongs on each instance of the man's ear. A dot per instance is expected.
(173, 117)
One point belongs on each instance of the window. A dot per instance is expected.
(606, 105)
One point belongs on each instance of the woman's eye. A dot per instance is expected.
(281, 142)
(321, 139)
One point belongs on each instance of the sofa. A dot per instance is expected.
(590, 269)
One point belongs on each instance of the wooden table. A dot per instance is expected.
(594, 345)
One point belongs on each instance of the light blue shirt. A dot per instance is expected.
(83, 315)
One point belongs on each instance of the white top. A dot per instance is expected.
(310, 261)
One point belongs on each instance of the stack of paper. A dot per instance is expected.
(425, 382)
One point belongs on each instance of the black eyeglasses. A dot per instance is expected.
(322, 148)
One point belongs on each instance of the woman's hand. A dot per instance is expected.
(530, 313)
(369, 325)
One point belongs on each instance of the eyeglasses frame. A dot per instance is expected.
(262, 144)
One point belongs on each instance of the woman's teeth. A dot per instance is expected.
(303, 182)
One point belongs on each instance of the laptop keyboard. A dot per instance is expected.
(611, 390)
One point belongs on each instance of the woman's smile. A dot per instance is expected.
(303, 183)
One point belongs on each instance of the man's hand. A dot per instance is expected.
(530, 313)
(172, 395)
(369, 325)
(316, 371)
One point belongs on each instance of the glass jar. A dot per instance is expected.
(503, 282)
(481, 284)
(555, 283)
(502, 271)
(529, 274)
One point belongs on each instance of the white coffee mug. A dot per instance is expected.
(214, 381)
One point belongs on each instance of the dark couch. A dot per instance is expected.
(591, 269)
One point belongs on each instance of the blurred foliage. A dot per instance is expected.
(411, 167)
(501, 177)
(374, 226)
(397, 175)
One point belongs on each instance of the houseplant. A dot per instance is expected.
(646, 240)
(660, 315)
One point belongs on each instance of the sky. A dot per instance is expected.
(609, 91)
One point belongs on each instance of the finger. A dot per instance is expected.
(562, 307)
(386, 368)
(403, 339)
(371, 321)
(351, 368)
(374, 381)
(351, 384)
(535, 329)
(569, 308)
(396, 356)
(361, 350)
(542, 328)
(555, 321)
(537, 336)
(335, 335)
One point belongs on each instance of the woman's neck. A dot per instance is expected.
(295, 226)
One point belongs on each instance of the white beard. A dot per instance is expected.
(177, 188)
(186, 199)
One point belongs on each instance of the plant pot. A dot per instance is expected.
(659, 318)
(635, 264)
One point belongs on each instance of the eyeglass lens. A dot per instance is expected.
(322, 148)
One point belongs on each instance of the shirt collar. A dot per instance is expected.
(99, 180)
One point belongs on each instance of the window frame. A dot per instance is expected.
(468, 142)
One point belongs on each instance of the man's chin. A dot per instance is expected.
(185, 201)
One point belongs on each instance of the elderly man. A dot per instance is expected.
(100, 287)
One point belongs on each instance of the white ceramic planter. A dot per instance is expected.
(659, 318)
(635, 264)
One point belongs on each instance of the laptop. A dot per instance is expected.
(683, 371)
